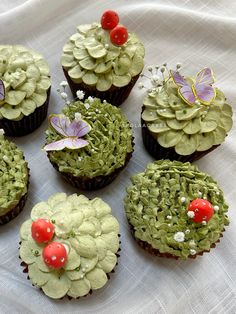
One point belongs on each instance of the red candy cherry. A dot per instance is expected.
(42, 230)
(109, 19)
(119, 35)
(200, 210)
(55, 255)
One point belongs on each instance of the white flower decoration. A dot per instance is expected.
(80, 94)
(191, 214)
(64, 84)
(179, 236)
(64, 95)
(86, 105)
(78, 116)
(90, 99)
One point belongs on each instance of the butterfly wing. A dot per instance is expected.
(61, 124)
(205, 76)
(185, 90)
(186, 93)
(178, 79)
(79, 128)
(2, 90)
(205, 93)
(71, 143)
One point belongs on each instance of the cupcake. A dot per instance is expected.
(69, 245)
(14, 180)
(89, 143)
(175, 210)
(184, 118)
(24, 89)
(104, 60)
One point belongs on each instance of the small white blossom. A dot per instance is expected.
(64, 84)
(200, 193)
(2, 131)
(187, 231)
(78, 116)
(183, 199)
(193, 252)
(216, 208)
(204, 222)
(64, 95)
(86, 105)
(68, 102)
(90, 99)
(80, 94)
(191, 214)
(169, 217)
(179, 236)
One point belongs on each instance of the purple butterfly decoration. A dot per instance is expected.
(71, 130)
(2, 90)
(199, 92)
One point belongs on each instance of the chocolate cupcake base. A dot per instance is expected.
(115, 95)
(28, 123)
(147, 247)
(159, 152)
(86, 183)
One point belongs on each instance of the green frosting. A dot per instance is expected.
(110, 140)
(91, 58)
(156, 206)
(186, 128)
(25, 75)
(90, 234)
(13, 175)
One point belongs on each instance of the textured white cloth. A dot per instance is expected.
(196, 33)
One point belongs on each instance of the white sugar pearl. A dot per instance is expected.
(216, 208)
(183, 199)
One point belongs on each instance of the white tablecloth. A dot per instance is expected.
(196, 33)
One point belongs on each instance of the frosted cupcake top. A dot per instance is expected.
(184, 121)
(176, 208)
(101, 147)
(91, 58)
(83, 236)
(25, 75)
(13, 175)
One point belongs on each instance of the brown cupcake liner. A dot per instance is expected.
(158, 152)
(90, 184)
(148, 248)
(4, 219)
(115, 95)
(25, 271)
(28, 123)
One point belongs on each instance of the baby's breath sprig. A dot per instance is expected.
(159, 77)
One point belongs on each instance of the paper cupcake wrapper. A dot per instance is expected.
(4, 219)
(159, 152)
(86, 183)
(147, 247)
(115, 95)
(25, 270)
(28, 123)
